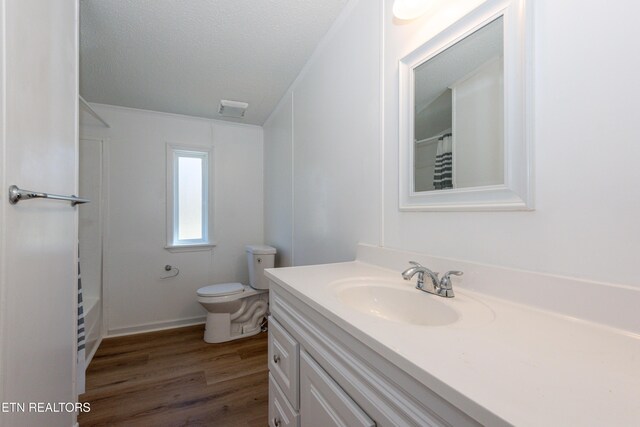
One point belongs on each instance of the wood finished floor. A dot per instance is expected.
(174, 378)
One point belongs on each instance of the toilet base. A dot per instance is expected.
(223, 327)
(213, 334)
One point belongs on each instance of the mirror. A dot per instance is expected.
(464, 118)
(458, 114)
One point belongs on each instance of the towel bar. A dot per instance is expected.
(16, 194)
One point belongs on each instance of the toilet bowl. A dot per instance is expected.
(235, 310)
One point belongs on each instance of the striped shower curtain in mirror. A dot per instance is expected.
(443, 175)
(80, 366)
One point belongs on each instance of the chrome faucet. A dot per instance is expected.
(438, 286)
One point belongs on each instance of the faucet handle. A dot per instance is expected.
(445, 282)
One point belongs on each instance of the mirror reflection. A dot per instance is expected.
(459, 114)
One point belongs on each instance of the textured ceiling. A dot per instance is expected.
(183, 56)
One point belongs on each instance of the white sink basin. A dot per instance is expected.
(399, 301)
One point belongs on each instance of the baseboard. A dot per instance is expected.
(155, 326)
(93, 351)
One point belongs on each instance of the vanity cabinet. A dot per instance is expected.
(323, 402)
(283, 362)
(296, 381)
(281, 413)
(321, 375)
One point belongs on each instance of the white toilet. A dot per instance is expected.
(235, 310)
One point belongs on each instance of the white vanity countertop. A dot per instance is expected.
(525, 367)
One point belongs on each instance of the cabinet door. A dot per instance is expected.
(283, 361)
(281, 414)
(323, 403)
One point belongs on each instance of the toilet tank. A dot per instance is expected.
(259, 258)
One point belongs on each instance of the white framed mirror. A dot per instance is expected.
(466, 115)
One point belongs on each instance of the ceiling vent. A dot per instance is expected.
(232, 108)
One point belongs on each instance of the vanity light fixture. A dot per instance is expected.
(232, 108)
(410, 9)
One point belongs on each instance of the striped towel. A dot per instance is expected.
(80, 374)
(443, 174)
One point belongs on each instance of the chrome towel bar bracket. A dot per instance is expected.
(16, 194)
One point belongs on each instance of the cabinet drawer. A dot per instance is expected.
(281, 413)
(283, 361)
(323, 403)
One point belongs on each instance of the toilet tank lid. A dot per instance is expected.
(261, 250)
(221, 289)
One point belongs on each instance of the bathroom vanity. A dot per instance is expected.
(323, 372)
(350, 345)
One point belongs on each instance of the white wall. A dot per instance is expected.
(478, 127)
(335, 116)
(136, 298)
(585, 223)
(435, 118)
(278, 182)
(430, 122)
(38, 238)
(585, 135)
(425, 165)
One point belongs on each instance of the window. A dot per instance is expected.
(188, 196)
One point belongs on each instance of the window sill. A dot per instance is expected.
(191, 248)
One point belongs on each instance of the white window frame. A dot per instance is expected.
(173, 152)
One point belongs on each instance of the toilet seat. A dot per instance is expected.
(221, 289)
